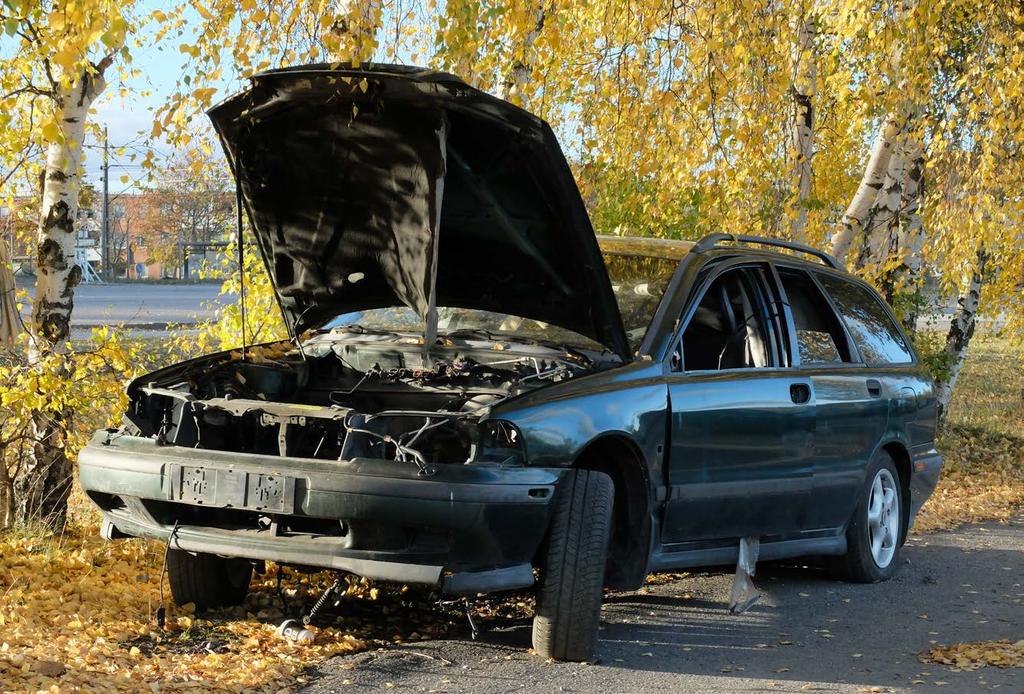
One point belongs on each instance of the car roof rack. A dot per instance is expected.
(718, 240)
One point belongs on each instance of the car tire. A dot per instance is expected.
(206, 580)
(572, 568)
(876, 530)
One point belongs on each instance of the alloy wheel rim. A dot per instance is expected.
(883, 518)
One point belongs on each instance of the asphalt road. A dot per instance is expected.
(152, 306)
(806, 633)
(141, 304)
(146, 307)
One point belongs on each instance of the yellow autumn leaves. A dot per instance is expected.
(983, 473)
(971, 656)
(79, 613)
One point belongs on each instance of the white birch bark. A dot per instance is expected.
(356, 28)
(57, 271)
(10, 322)
(961, 330)
(913, 231)
(883, 219)
(907, 242)
(521, 72)
(855, 219)
(44, 483)
(804, 85)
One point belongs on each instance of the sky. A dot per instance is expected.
(129, 119)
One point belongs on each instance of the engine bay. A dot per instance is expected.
(344, 400)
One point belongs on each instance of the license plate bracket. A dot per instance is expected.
(230, 488)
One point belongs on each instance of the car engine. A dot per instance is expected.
(342, 401)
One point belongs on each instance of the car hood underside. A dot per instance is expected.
(397, 186)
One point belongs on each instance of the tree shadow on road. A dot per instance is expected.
(806, 627)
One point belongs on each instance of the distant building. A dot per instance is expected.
(152, 235)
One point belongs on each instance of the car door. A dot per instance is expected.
(741, 421)
(853, 421)
(849, 407)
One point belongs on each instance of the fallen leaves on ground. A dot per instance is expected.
(983, 442)
(79, 613)
(971, 656)
(982, 480)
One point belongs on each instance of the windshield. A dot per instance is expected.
(638, 282)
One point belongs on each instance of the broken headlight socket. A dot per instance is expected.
(498, 442)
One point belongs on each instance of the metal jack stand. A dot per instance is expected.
(319, 604)
(293, 630)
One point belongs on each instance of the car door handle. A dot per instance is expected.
(874, 388)
(799, 393)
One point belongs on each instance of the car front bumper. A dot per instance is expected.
(465, 528)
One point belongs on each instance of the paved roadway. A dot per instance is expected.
(807, 633)
(145, 306)
(153, 305)
(141, 304)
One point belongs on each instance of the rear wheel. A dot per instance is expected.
(873, 536)
(572, 570)
(207, 580)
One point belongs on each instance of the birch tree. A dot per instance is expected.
(856, 220)
(961, 330)
(63, 54)
(57, 72)
(515, 81)
(43, 486)
(805, 76)
(354, 30)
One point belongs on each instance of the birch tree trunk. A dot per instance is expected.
(10, 322)
(913, 192)
(872, 195)
(44, 483)
(883, 218)
(961, 330)
(909, 242)
(356, 30)
(855, 219)
(804, 79)
(521, 72)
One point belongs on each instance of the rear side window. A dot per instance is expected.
(819, 335)
(875, 334)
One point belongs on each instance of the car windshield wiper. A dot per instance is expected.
(359, 330)
(475, 332)
(483, 334)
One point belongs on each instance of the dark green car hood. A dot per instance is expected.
(392, 185)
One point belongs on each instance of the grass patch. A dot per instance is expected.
(982, 442)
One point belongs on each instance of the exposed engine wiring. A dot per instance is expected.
(403, 453)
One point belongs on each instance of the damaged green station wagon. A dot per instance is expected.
(481, 395)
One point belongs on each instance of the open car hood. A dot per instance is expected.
(393, 185)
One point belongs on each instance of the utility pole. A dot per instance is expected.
(105, 212)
